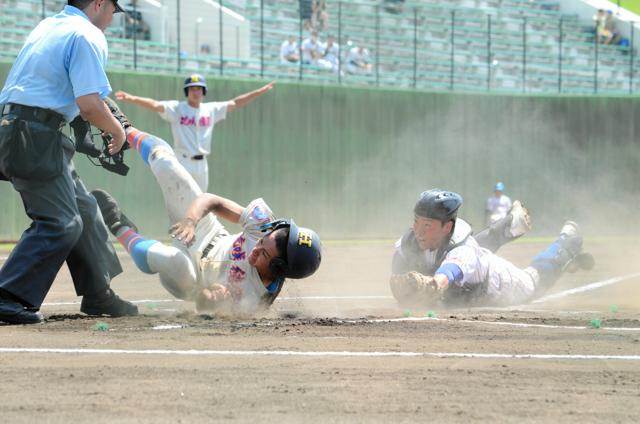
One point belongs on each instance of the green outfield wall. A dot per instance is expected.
(350, 162)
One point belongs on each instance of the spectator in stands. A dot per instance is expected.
(331, 55)
(135, 24)
(319, 16)
(599, 20)
(611, 29)
(289, 51)
(358, 61)
(306, 11)
(311, 49)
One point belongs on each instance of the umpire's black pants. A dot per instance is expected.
(66, 225)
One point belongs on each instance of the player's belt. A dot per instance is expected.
(196, 157)
(207, 249)
(47, 117)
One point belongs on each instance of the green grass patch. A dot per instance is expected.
(630, 5)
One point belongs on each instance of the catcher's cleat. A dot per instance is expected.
(521, 221)
(107, 303)
(570, 256)
(583, 260)
(113, 216)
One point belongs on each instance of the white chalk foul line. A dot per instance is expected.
(565, 293)
(282, 299)
(77, 302)
(334, 298)
(586, 288)
(508, 324)
(320, 353)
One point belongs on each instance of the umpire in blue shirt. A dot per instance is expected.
(58, 74)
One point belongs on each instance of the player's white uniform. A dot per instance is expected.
(486, 277)
(215, 256)
(192, 131)
(498, 207)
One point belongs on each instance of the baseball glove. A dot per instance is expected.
(415, 289)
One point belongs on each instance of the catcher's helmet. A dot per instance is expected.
(195, 80)
(499, 186)
(303, 255)
(438, 204)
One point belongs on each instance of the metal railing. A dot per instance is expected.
(422, 47)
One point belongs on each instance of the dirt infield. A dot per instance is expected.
(335, 348)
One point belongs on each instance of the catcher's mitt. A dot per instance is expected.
(415, 289)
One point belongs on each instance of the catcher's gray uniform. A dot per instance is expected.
(475, 273)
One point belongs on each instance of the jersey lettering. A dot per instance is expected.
(237, 254)
(190, 121)
(236, 274)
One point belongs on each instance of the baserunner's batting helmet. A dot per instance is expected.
(195, 80)
(303, 254)
(438, 204)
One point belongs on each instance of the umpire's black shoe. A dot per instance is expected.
(107, 303)
(113, 216)
(14, 313)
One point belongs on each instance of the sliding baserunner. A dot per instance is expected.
(240, 273)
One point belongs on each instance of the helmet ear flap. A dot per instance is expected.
(278, 267)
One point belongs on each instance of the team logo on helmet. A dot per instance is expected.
(305, 239)
(195, 78)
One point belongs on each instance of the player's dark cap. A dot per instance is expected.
(438, 204)
(303, 253)
(195, 80)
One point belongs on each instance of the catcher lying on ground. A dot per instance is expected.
(440, 262)
(240, 273)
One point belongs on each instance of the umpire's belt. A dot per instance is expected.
(47, 117)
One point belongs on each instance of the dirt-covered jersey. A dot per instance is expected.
(227, 263)
(484, 277)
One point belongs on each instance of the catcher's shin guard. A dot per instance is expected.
(565, 254)
(111, 213)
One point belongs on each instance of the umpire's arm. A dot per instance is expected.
(93, 109)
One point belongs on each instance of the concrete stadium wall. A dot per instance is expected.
(350, 162)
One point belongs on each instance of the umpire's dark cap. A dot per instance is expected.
(118, 8)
